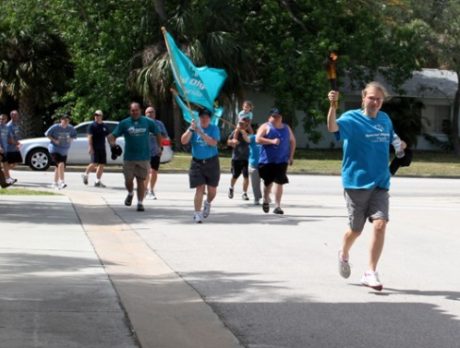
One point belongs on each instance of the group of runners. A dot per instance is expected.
(263, 154)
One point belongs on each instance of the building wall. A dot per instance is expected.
(436, 110)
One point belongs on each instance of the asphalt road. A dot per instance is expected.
(273, 280)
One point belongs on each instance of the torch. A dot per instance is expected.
(332, 72)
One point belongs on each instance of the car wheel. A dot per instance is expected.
(39, 159)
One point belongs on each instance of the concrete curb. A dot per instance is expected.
(163, 309)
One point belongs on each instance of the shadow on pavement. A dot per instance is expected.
(181, 215)
(37, 212)
(448, 295)
(331, 325)
(301, 323)
(59, 301)
(26, 264)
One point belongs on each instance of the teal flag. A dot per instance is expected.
(198, 85)
(193, 115)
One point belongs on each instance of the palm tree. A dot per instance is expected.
(206, 33)
(34, 67)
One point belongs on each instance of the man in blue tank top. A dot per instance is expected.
(366, 134)
(277, 152)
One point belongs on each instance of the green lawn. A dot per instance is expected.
(13, 191)
(427, 164)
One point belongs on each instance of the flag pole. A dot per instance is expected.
(175, 71)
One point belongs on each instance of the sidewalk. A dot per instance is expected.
(75, 275)
(54, 290)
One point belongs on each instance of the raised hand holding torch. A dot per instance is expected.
(332, 74)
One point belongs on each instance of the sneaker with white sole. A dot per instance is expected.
(371, 279)
(244, 196)
(62, 185)
(99, 184)
(344, 266)
(198, 218)
(84, 177)
(151, 195)
(206, 209)
(230, 192)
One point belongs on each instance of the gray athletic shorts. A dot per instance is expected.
(136, 169)
(204, 172)
(372, 204)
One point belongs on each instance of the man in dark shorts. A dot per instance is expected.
(277, 152)
(61, 136)
(240, 157)
(97, 133)
(155, 153)
(136, 130)
(13, 155)
(204, 170)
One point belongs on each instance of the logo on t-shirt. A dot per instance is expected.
(132, 131)
(380, 136)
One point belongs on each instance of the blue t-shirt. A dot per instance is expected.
(276, 153)
(254, 151)
(200, 149)
(64, 137)
(366, 149)
(4, 137)
(14, 132)
(154, 149)
(137, 137)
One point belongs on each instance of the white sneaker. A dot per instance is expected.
(198, 218)
(206, 209)
(55, 186)
(371, 279)
(62, 185)
(151, 195)
(11, 181)
(344, 266)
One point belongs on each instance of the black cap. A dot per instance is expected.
(203, 112)
(274, 112)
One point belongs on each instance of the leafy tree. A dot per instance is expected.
(207, 32)
(34, 65)
(290, 40)
(103, 36)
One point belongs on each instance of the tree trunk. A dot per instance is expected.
(30, 123)
(454, 128)
(177, 116)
